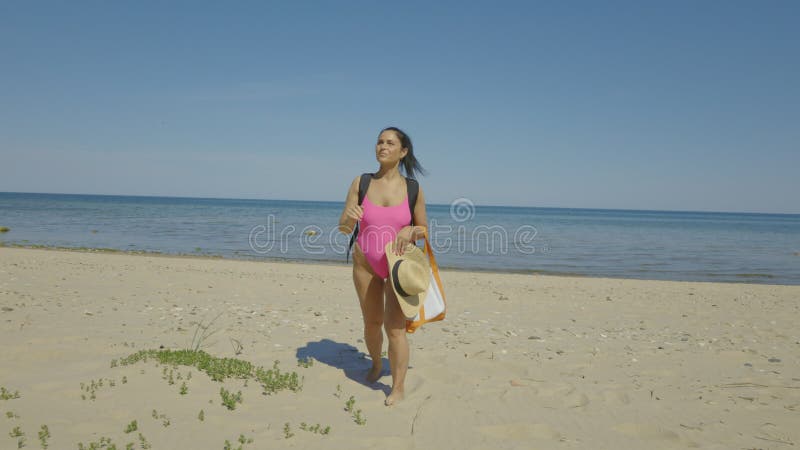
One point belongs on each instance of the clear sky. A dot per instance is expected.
(639, 105)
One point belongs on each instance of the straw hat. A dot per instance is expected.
(410, 277)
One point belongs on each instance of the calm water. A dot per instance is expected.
(740, 247)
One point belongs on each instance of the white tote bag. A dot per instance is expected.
(434, 307)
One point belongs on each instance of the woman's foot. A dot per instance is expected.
(394, 397)
(374, 374)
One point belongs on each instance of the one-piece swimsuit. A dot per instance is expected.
(379, 226)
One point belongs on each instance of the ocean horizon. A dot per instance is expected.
(620, 243)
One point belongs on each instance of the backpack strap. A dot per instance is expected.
(413, 193)
(363, 185)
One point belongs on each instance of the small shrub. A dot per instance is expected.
(8, 395)
(316, 429)
(230, 400)
(349, 405)
(305, 362)
(133, 426)
(287, 431)
(44, 435)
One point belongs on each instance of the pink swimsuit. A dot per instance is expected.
(379, 226)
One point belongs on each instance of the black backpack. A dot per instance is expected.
(363, 185)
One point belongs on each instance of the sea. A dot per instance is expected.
(660, 245)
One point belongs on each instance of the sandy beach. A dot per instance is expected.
(522, 361)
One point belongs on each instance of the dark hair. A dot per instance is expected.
(409, 162)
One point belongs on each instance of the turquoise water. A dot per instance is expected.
(698, 246)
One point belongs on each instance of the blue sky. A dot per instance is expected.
(635, 105)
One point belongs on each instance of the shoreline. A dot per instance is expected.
(444, 205)
(763, 279)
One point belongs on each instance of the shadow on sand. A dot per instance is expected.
(352, 362)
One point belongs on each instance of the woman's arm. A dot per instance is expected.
(352, 212)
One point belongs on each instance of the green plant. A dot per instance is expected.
(145, 445)
(230, 400)
(287, 431)
(274, 380)
(201, 416)
(184, 388)
(349, 405)
(133, 426)
(4, 229)
(220, 369)
(164, 419)
(16, 432)
(12, 415)
(104, 443)
(338, 393)
(357, 415)
(44, 434)
(317, 429)
(204, 333)
(124, 380)
(359, 418)
(8, 395)
(242, 441)
(305, 362)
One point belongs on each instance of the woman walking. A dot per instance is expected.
(384, 216)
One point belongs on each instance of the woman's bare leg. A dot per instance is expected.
(369, 288)
(395, 323)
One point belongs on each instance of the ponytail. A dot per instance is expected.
(409, 163)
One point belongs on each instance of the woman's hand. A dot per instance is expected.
(351, 213)
(354, 212)
(401, 241)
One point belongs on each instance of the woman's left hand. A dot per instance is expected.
(402, 240)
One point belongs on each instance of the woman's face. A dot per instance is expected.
(389, 149)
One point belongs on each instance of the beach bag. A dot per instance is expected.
(434, 307)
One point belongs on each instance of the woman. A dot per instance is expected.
(385, 217)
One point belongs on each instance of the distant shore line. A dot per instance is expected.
(155, 253)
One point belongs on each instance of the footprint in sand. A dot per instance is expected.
(576, 400)
(521, 431)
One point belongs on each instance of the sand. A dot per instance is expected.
(522, 361)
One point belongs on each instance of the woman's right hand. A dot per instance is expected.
(354, 212)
